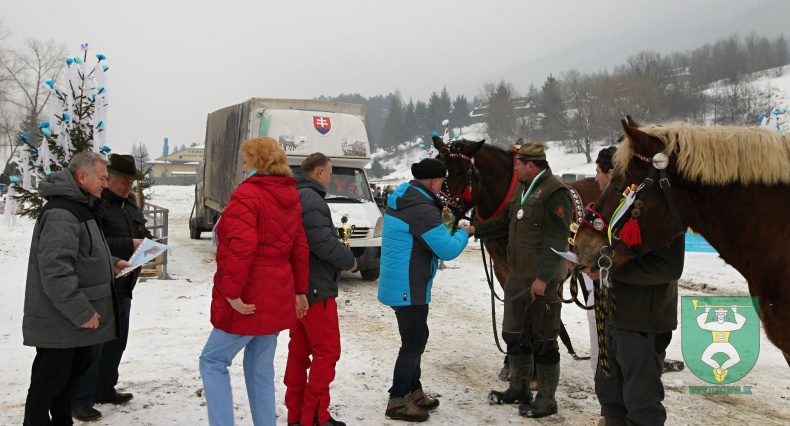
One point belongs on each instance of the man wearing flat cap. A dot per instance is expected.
(414, 239)
(124, 228)
(536, 220)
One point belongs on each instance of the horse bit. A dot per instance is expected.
(460, 203)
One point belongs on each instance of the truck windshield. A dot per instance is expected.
(347, 183)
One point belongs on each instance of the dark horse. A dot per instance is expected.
(488, 186)
(730, 184)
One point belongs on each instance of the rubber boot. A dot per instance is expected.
(520, 376)
(545, 404)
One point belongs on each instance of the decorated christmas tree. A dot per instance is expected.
(77, 122)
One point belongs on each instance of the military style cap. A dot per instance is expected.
(531, 151)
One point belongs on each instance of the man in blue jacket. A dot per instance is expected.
(413, 241)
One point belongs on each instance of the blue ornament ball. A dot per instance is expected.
(760, 117)
(435, 134)
(46, 131)
(422, 146)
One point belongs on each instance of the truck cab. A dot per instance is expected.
(301, 127)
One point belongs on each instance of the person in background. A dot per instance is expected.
(603, 175)
(260, 283)
(414, 239)
(69, 295)
(317, 334)
(123, 225)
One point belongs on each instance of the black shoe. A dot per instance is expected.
(85, 414)
(333, 422)
(117, 398)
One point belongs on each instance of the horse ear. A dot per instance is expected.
(472, 148)
(438, 143)
(630, 120)
(640, 141)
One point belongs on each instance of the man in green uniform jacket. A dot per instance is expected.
(537, 219)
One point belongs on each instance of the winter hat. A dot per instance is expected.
(124, 165)
(428, 168)
(531, 151)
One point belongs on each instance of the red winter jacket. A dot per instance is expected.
(262, 257)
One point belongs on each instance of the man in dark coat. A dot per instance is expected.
(123, 225)
(69, 298)
(317, 334)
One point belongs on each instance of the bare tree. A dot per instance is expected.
(585, 113)
(26, 70)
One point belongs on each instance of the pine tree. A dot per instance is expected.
(551, 105)
(77, 123)
(459, 117)
(392, 135)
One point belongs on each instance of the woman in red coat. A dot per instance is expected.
(262, 273)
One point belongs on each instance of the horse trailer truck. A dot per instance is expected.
(301, 127)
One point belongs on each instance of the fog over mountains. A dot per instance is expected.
(667, 31)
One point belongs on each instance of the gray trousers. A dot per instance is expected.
(634, 391)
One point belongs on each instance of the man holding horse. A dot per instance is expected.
(537, 219)
(414, 239)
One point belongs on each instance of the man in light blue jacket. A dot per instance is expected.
(413, 241)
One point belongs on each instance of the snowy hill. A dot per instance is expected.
(773, 98)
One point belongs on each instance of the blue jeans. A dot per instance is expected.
(102, 375)
(413, 328)
(218, 355)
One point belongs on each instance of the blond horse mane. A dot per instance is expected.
(720, 155)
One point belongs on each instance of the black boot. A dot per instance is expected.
(520, 376)
(545, 404)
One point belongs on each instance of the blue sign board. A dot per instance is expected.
(697, 244)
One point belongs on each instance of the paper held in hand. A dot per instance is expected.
(147, 250)
(566, 255)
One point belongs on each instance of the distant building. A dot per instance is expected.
(177, 168)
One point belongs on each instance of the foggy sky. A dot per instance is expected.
(172, 61)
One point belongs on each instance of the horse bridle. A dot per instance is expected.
(658, 162)
(458, 203)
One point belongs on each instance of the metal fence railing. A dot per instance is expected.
(157, 219)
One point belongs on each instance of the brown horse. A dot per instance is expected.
(721, 182)
(487, 187)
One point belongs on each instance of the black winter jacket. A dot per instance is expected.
(328, 256)
(121, 222)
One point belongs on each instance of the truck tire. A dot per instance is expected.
(194, 232)
(370, 274)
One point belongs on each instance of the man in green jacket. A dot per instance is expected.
(537, 219)
(637, 335)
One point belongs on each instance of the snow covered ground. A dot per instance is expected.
(170, 322)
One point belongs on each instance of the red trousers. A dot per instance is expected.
(317, 334)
